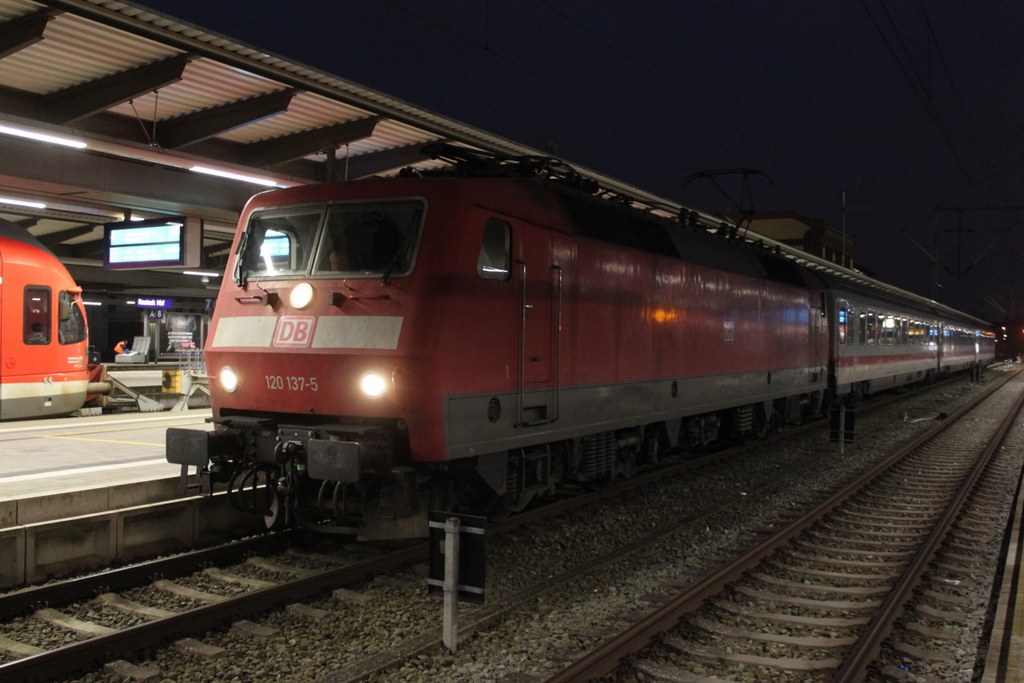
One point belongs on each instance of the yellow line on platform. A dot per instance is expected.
(77, 438)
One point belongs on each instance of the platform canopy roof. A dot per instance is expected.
(152, 98)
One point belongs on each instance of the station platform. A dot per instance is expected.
(57, 468)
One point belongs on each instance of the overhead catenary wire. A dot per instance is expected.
(915, 84)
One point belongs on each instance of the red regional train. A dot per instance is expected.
(43, 333)
(389, 345)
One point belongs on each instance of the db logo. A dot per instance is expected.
(294, 330)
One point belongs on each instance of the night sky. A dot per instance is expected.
(908, 105)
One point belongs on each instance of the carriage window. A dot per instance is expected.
(872, 328)
(863, 328)
(71, 323)
(495, 251)
(278, 242)
(842, 323)
(888, 329)
(37, 315)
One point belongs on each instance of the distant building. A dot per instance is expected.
(807, 234)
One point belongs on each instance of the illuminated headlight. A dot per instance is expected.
(372, 385)
(301, 295)
(228, 379)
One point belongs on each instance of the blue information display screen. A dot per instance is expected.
(145, 244)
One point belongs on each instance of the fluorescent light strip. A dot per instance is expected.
(42, 137)
(200, 272)
(93, 303)
(22, 202)
(235, 176)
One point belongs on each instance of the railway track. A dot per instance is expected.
(250, 594)
(818, 600)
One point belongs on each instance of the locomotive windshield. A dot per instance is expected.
(369, 239)
(356, 239)
(278, 242)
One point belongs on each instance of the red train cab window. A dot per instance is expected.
(37, 315)
(494, 262)
(71, 324)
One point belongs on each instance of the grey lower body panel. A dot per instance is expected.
(578, 411)
(29, 407)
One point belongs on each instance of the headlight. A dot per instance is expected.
(301, 295)
(372, 385)
(228, 379)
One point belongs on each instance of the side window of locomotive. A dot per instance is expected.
(70, 321)
(370, 238)
(495, 258)
(279, 242)
(37, 315)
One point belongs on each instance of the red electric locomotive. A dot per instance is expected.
(384, 346)
(43, 334)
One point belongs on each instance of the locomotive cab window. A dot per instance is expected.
(370, 239)
(495, 251)
(37, 315)
(278, 242)
(71, 323)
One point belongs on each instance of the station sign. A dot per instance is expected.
(153, 302)
(152, 243)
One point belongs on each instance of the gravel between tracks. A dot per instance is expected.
(760, 489)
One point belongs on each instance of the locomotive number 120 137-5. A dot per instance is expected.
(277, 382)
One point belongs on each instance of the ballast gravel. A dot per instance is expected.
(752, 493)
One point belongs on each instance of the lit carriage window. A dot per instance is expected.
(872, 328)
(370, 239)
(495, 251)
(842, 323)
(37, 315)
(70, 321)
(279, 242)
(888, 329)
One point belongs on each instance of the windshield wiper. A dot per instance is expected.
(386, 278)
(239, 274)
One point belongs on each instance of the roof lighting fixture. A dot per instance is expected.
(93, 303)
(42, 137)
(202, 273)
(22, 202)
(267, 182)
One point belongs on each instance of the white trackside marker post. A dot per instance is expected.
(450, 635)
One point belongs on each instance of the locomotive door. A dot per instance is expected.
(537, 285)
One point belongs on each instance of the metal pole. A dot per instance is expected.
(842, 427)
(450, 636)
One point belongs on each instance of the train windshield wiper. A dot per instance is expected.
(239, 274)
(386, 277)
